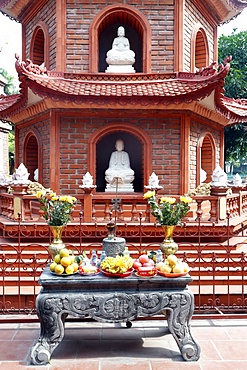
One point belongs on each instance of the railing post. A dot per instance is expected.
(88, 203)
(19, 190)
(218, 204)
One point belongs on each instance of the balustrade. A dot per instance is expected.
(100, 207)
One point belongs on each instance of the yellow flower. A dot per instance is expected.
(54, 198)
(186, 199)
(149, 194)
(63, 198)
(40, 194)
(167, 200)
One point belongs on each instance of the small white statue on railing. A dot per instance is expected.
(219, 178)
(20, 176)
(36, 175)
(237, 181)
(4, 180)
(153, 182)
(203, 176)
(87, 181)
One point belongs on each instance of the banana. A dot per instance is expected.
(116, 265)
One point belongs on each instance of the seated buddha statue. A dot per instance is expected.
(119, 172)
(120, 58)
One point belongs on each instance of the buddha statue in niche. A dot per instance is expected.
(119, 172)
(120, 58)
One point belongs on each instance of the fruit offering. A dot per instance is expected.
(117, 265)
(173, 265)
(144, 265)
(88, 269)
(64, 263)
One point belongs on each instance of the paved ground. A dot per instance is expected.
(145, 346)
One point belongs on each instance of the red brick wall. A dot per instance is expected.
(43, 128)
(192, 17)
(48, 16)
(76, 132)
(81, 15)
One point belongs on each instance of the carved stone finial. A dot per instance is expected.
(87, 181)
(219, 178)
(153, 182)
(20, 176)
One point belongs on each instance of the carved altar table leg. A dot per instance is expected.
(51, 329)
(179, 315)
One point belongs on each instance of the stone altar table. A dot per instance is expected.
(109, 299)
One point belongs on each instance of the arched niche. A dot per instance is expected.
(206, 156)
(199, 49)
(39, 46)
(32, 154)
(103, 30)
(137, 145)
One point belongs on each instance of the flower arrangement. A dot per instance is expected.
(167, 210)
(57, 209)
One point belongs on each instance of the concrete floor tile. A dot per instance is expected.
(125, 364)
(232, 350)
(223, 365)
(73, 365)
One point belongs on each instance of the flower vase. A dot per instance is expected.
(168, 246)
(57, 243)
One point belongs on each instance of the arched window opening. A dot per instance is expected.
(199, 49)
(105, 43)
(106, 145)
(39, 47)
(136, 143)
(103, 30)
(206, 157)
(31, 154)
(200, 52)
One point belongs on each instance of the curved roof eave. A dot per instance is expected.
(147, 90)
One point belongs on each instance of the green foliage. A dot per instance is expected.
(168, 211)
(9, 88)
(235, 87)
(57, 209)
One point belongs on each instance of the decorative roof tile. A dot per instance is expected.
(135, 89)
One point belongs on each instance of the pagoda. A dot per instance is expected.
(169, 108)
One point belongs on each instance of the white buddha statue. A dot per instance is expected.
(120, 58)
(119, 168)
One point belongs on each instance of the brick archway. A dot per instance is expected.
(136, 132)
(39, 46)
(206, 156)
(32, 154)
(199, 57)
(127, 15)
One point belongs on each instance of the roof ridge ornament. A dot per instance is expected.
(29, 66)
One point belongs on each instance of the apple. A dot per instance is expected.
(158, 266)
(59, 269)
(172, 259)
(165, 268)
(178, 268)
(148, 264)
(64, 252)
(143, 258)
(137, 264)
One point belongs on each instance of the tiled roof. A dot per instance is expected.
(145, 90)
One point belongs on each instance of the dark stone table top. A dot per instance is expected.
(102, 283)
